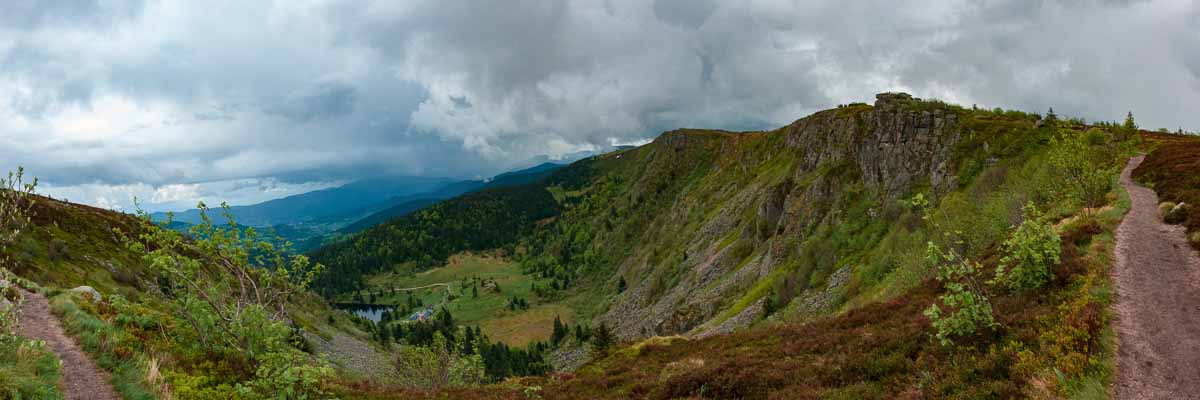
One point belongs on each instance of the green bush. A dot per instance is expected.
(1029, 254)
(1178, 214)
(967, 308)
(1164, 208)
(1086, 167)
(228, 293)
(966, 305)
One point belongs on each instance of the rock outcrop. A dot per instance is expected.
(90, 291)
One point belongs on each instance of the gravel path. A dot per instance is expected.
(1157, 278)
(82, 380)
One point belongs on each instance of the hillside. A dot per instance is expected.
(705, 233)
(703, 225)
(129, 333)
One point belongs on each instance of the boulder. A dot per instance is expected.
(1177, 214)
(89, 290)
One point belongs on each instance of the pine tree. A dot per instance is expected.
(475, 291)
(1130, 124)
(602, 338)
(559, 331)
(468, 342)
(621, 285)
(769, 303)
(447, 318)
(385, 335)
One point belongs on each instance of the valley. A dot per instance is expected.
(480, 290)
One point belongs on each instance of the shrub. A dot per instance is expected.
(967, 308)
(1029, 254)
(1087, 170)
(1177, 214)
(1164, 208)
(229, 291)
(16, 201)
(438, 367)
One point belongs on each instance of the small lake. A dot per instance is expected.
(368, 311)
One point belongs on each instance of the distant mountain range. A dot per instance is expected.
(419, 201)
(327, 205)
(307, 219)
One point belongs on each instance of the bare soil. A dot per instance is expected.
(81, 379)
(1157, 279)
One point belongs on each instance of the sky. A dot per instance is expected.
(177, 101)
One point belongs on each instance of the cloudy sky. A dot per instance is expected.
(173, 102)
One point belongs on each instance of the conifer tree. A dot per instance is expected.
(559, 331)
(602, 338)
(1130, 124)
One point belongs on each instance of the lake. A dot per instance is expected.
(368, 311)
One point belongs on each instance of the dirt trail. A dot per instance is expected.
(82, 379)
(1157, 278)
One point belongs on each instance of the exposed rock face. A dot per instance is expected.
(905, 145)
(895, 145)
(771, 209)
(569, 359)
(890, 148)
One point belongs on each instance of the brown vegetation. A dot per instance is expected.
(1173, 171)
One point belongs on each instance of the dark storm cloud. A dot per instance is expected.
(324, 100)
(177, 99)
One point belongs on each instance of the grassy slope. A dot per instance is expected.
(1053, 342)
(71, 245)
